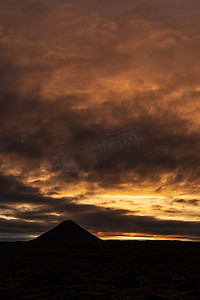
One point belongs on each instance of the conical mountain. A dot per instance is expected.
(68, 231)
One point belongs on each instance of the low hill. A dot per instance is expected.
(67, 231)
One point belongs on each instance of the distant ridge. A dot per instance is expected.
(68, 231)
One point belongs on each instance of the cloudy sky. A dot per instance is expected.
(99, 118)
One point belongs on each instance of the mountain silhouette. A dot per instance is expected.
(68, 231)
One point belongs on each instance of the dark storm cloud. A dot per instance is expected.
(19, 227)
(73, 75)
(37, 129)
(12, 191)
(105, 222)
(40, 130)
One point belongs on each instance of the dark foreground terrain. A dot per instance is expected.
(106, 270)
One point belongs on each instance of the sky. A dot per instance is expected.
(99, 118)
